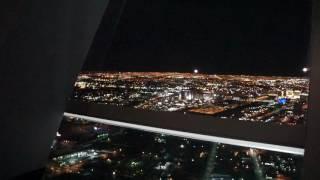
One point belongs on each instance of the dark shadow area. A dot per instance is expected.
(43, 46)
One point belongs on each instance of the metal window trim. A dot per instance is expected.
(215, 139)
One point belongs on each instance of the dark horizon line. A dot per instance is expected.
(200, 73)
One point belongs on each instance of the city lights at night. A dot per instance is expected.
(281, 100)
(134, 154)
(160, 90)
(194, 58)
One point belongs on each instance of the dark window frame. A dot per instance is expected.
(312, 143)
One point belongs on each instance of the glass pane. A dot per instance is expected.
(226, 59)
(88, 150)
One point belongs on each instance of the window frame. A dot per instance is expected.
(193, 123)
(312, 143)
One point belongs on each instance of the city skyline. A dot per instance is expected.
(304, 73)
(282, 100)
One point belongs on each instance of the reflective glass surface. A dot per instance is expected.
(88, 150)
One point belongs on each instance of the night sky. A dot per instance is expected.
(224, 37)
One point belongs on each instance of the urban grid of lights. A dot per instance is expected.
(109, 152)
(249, 98)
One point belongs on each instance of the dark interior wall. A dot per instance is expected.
(42, 47)
(312, 155)
(9, 12)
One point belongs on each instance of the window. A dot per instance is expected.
(88, 149)
(234, 72)
(240, 61)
